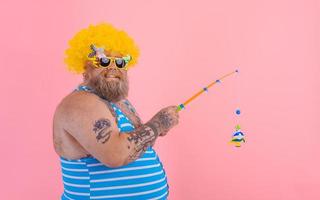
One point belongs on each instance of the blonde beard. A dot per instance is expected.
(112, 91)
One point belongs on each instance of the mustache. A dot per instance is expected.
(106, 74)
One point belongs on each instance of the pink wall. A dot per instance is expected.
(184, 45)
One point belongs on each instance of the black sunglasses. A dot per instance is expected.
(106, 61)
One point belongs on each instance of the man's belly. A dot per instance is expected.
(87, 178)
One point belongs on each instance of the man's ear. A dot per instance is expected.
(88, 67)
(85, 76)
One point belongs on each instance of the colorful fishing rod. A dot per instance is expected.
(238, 135)
(205, 89)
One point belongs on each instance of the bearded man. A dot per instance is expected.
(105, 150)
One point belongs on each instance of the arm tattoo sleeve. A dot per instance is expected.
(141, 139)
(102, 130)
(146, 135)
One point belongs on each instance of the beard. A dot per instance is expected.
(110, 90)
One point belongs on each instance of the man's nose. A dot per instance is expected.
(112, 68)
(113, 65)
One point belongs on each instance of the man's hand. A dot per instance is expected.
(164, 120)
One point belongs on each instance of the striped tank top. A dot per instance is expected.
(87, 178)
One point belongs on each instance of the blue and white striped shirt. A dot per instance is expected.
(87, 178)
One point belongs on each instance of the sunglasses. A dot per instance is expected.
(99, 59)
(106, 61)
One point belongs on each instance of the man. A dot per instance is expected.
(105, 150)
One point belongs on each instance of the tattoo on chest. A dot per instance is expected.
(102, 130)
(129, 105)
(130, 113)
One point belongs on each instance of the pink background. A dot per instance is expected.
(184, 46)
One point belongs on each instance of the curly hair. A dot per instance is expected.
(102, 35)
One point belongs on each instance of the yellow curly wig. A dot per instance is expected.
(102, 35)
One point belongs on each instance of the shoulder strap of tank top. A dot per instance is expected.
(83, 88)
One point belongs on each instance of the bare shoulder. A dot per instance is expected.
(73, 111)
(78, 107)
(77, 101)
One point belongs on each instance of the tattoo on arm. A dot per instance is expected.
(162, 122)
(102, 130)
(165, 120)
(141, 139)
(146, 135)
